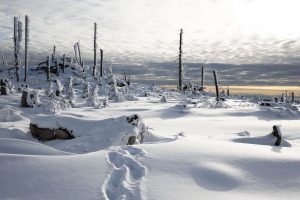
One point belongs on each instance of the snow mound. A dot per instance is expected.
(9, 114)
(92, 135)
(262, 140)
(15, 146)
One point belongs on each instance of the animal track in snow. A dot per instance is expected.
(124, 180)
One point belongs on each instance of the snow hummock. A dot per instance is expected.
(9, 114)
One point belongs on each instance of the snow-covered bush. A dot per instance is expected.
(7, 87)
(113, 92)
(105, 102)
(49, 90)
(93, 98)
(137, 121)
(86, 89)
(64, 104)
(70, 90)
(30, 98)
(10, 86)
(163, 99)
(59, 88)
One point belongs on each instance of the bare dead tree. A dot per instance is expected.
(101, 63)
(26, 45)
(95, 49)
(180, 74)
(79, 54)
(216, 85)
(75, 51)
(17, 40)
(202, 78)
(53, 54)
(64, 63)
(3, 59)
(48, 68)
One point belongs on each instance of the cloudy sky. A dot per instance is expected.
(146, 31)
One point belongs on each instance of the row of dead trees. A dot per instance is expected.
(52, 64)
(180, 72)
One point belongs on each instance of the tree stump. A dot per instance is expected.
(277, 133)
(24, 99)
(4, 89)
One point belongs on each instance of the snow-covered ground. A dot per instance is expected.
(193, 149)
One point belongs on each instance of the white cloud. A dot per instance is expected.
(227, 31)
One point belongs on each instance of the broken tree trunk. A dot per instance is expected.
(53, 54)
(293, 97)
(202, 78)
(64, 63)
(101, 63)
(216, 85)
(95, 49)
(180, 62)
(75, 51)
(48, 68)
(79, 54)
(277, 133)
(26, 46)
(16, 47)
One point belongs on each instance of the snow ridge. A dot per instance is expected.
(124, 180)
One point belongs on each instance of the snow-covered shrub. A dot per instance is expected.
(105, 102)
(86, 89)
(84, 74)
(113, 92)
(64, 104)
(10, 86)
(52, 106)
(137, 121)
(163, 99)
(93, 98)
(129, 97)
(30, 98)
(59, 88)
(49, 90)
(70, 90)
(7, 87)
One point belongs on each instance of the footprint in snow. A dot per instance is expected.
(124, 180)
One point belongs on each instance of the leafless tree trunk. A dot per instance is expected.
(180, 62)
(95, 49)
(101, 63)
(216, 85)
(26, 46)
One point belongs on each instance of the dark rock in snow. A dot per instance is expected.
(131, 140)
(49, 133)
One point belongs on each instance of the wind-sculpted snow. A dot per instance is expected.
(9, 114)
(23, 147)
